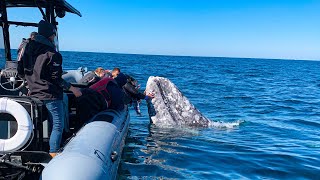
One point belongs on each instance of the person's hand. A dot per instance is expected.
(75, 91)
(150, 95)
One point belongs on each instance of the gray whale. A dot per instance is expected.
(170, 107)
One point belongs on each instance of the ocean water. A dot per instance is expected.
(275, 102)
(269, 109)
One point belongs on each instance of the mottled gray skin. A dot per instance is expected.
(170, 107)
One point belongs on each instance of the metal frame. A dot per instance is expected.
(5, 28)
(49, 15)
(30, 160)
(59, 4)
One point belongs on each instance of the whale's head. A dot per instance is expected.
(170, 107)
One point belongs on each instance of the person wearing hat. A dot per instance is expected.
(41, 66)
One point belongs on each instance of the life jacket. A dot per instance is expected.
(101, 87)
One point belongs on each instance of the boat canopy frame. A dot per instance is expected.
(53, 9)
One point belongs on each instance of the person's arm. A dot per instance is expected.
(94, 80)
(150, 95)
(135, 92)
(130, 88)
(89, 77)
(56, 73)
(75, 91)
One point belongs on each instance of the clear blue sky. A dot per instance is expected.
(230, 28)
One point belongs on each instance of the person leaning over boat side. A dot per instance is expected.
(104, 94)
(108, 93)
(132, 91)
(134, 100)
(112, 73)
(41, 65)
(93, 76)
(115, 72)
(112, 93)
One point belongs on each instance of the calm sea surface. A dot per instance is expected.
(277, 103)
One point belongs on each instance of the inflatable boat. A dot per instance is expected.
(91, 150)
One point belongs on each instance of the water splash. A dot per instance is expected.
(225, 125)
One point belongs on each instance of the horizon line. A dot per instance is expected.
(199, 56)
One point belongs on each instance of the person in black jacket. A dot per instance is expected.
(130, 88)
(104, 94)
(41, 66)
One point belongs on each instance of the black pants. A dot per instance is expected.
(92, 102)
(89, 104)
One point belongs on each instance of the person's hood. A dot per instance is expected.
(43, 40)
(46, 29)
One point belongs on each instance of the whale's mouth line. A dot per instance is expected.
(166, 101)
